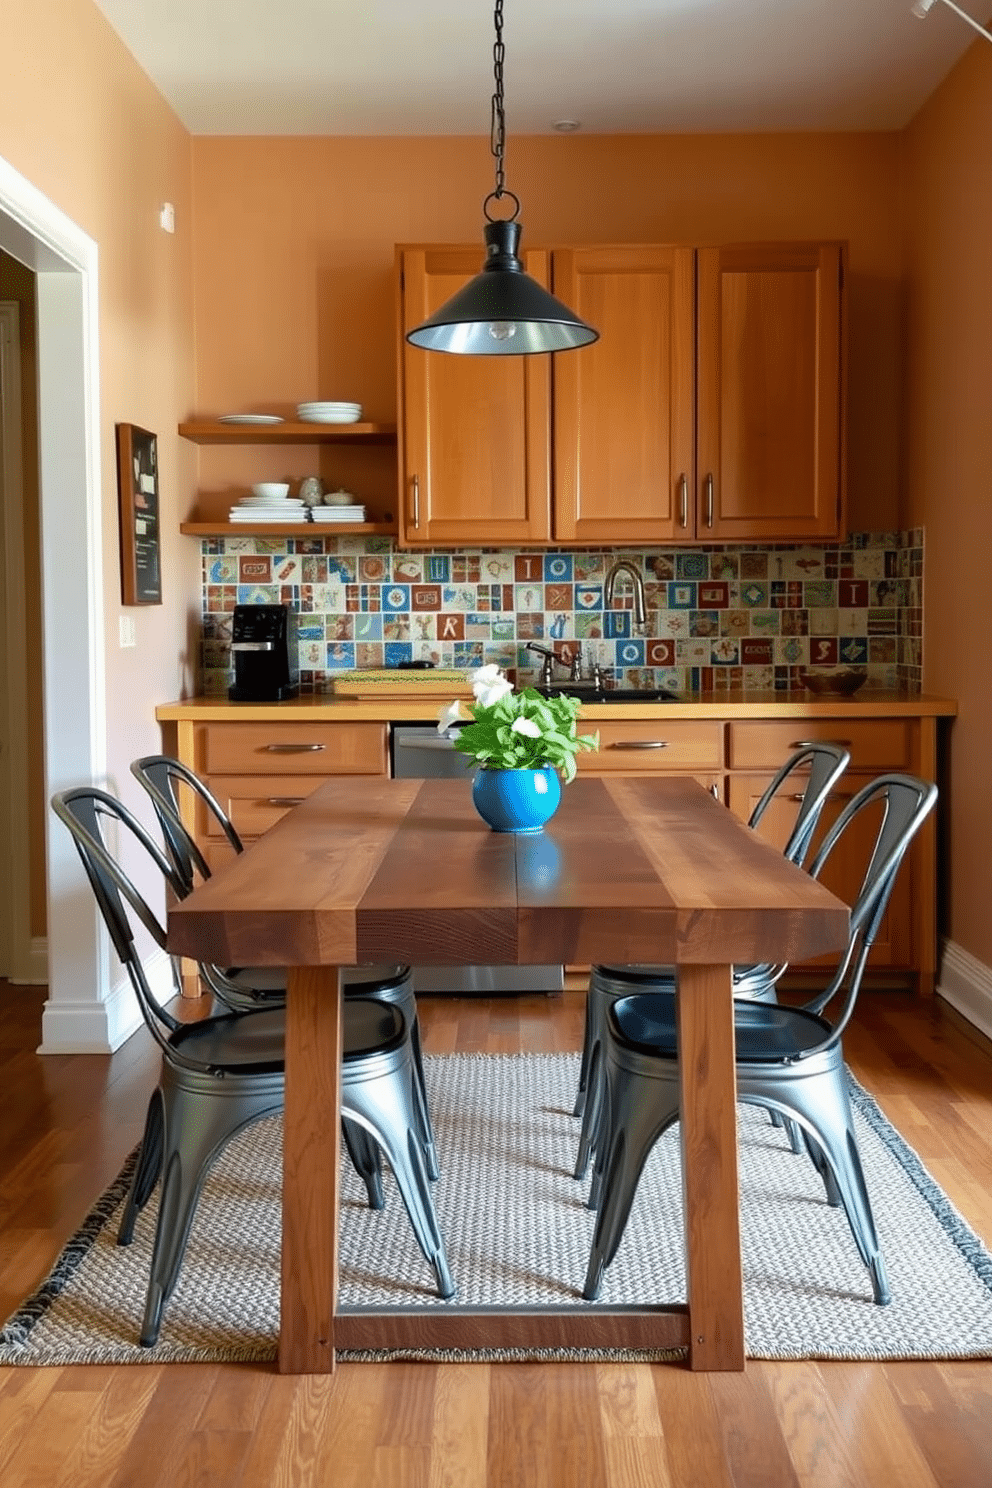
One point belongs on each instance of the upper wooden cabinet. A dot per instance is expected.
(624, 407)
(710, 409)
(770, 393)
(475, 432)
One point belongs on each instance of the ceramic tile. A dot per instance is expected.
(718, 616)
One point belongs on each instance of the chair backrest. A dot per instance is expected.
(905, 802)
(161, 775)
(827, 763)
(84, 811)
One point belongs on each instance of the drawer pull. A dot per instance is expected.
(285, 800)
(798, 796)
(808, 743)
(293, 748)
(640, 744)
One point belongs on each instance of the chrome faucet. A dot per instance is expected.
(624, 565)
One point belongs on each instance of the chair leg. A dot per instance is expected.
(423, 1109)
(640, 1110)
(593, 1101)
(580, 1094)
(819, 1102)
(196, 1127)
(364, 1155)
(386, 1106)
(147, 1170)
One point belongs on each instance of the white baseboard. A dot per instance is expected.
(966, 983)
(91, 1027)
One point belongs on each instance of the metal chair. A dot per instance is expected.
(826, 762)
(789, 1060)
(222, 1073)
(244, 988)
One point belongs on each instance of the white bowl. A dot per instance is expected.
(272, 490)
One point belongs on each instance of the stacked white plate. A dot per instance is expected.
(338, 513)
(269, 509)
(329, 413)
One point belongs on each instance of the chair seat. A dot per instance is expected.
(764, 1032)
(245, 1042)
(359, 981)
(256, 1042)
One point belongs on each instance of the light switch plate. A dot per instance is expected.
(128, 631)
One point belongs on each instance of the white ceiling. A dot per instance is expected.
(417, 67)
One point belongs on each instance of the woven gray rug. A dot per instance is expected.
(518, 1233)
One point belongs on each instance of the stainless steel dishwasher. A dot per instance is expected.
(419, 752)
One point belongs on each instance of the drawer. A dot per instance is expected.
(295, 749)
(875, 744)
(639, 748)
(254, 802)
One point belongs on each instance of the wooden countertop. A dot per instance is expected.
(723, 705)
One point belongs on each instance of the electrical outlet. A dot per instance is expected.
(128, 632)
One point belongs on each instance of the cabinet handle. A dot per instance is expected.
(284, 800)
(715, 791)
(293, 748)
(835, 795)
(640, 744)
(709, 501)
(416, 501)
(683, 502)
(808, 743)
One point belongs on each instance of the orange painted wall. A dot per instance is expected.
(293, 262)
(81, 121)
(949, 449)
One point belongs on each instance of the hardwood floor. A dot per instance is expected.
(67, 1123)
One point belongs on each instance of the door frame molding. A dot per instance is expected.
(15, 886)
(85, 1011)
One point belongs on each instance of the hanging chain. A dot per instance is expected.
(497, 128)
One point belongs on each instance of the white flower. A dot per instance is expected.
(449, 716)
(525, 726)
(489, 685)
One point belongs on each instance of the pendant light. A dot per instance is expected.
(502, 311)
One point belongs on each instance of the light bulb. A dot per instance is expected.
(502, 330)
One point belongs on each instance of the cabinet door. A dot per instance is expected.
(770, 393)
(623, 407)
(475, 431)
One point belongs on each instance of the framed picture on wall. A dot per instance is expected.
(137, 488)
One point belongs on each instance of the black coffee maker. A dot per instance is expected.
(265, 655)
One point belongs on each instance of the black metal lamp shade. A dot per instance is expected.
(502, 311)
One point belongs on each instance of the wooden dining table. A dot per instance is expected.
(632, 869)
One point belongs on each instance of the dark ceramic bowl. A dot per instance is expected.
(840, 681)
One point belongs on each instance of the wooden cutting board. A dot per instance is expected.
(391, 682)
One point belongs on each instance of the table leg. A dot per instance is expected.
(709, 1168)
(311, 1150)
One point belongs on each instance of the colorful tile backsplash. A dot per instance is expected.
(718, 618)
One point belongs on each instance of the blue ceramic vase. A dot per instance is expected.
(516, 800)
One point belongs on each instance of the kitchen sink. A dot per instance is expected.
(588, 694)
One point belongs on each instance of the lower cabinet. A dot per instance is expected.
(681, 747)
(259, 771)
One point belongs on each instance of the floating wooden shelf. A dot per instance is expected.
(211, 432)
(221, 528)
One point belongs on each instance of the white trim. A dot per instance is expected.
(966, 983)
(83, 1027)
(14, 876)
(65, 260)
